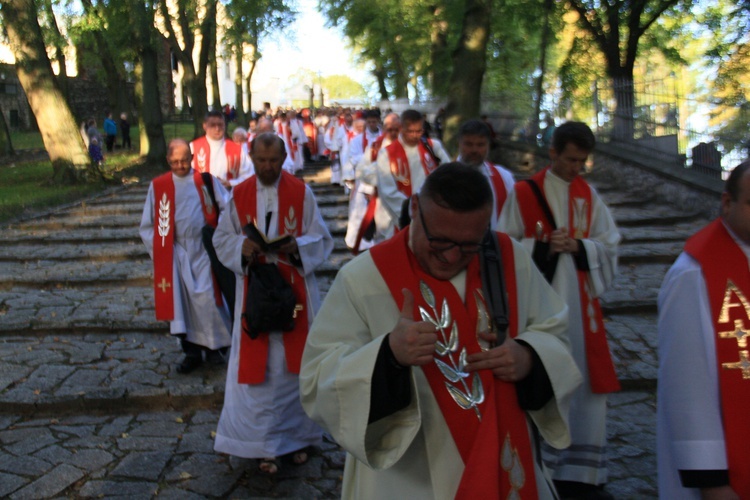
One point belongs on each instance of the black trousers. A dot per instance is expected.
(224, 276)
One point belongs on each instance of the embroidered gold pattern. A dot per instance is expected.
(743, 364)
(164, 285)
(739, 333)
(290, 222)
(467, 396)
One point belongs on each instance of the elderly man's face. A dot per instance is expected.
(179, 159)
(445, 227)
(736, 213)
(214, 128)
(473, 149)
(267, 161)
(392, 129)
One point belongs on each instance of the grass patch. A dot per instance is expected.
(26, 186)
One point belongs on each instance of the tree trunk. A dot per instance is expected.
(6, 146)
(469, 64)
(60, 132)
(380, 76)
(439, 56)
(548, 6)
(238, 100)
(248, 81)
(214, 66)
(150, 120)
(112, 71)
(59, 45)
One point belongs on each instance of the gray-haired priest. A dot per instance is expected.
(402, 368)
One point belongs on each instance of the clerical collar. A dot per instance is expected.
(213, 143)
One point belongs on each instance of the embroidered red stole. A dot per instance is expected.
(602, 376)
(163, 244)
(498, 187)
(497, 445)
(372, 203)
(254, 352)
(202, 157)
(400, 165)
(285, 131)
(725, 270)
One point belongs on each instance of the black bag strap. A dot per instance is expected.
(493, 284)
(542, 202)
(426, 143)
(545, 261)
(208, 181)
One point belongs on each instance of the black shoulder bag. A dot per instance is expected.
(269, 302)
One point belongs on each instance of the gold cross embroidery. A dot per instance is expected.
(743, 364)
(739, 333)
(297, 308)
(163, 285)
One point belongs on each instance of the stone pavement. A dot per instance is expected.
(91, 405)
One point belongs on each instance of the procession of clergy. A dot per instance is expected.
(448, 360)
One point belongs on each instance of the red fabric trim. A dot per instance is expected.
(602, 375)
(498, 186)
(163, 246)
(254, 352)
(375, 148)
(479, 442)
(202, 157)
(366, 221)
(720, 274)
(400, 168)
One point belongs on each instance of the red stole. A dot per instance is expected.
(400, 165)
(602, 376)
(311, 131)
(202, 157)
(498, 187)
(254, 352)
(725, 270)
(498, 443)
(375, 148)
(285, 132)
(163, 243)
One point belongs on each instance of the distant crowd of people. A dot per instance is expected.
(463, 352)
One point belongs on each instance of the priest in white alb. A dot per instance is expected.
(262, 417)
(178, 205)
(404, 369)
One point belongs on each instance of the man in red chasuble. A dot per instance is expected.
(704, 365)
(408, 372)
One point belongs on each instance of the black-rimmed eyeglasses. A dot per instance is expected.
(444, 244)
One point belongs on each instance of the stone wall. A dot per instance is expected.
(13, 100)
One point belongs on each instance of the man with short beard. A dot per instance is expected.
(262, 417)
(474, 138)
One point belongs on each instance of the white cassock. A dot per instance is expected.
(508, 182)
(357, 199)
(218, 162)
(300, 139)
(410, 454)
(195, 311)
(267, 420)
(366, 175)
(347, 168)
(585, 459)
(689, 430)
(390, 197)
(335, 138)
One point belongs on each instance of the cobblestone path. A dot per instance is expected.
(91, 404)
